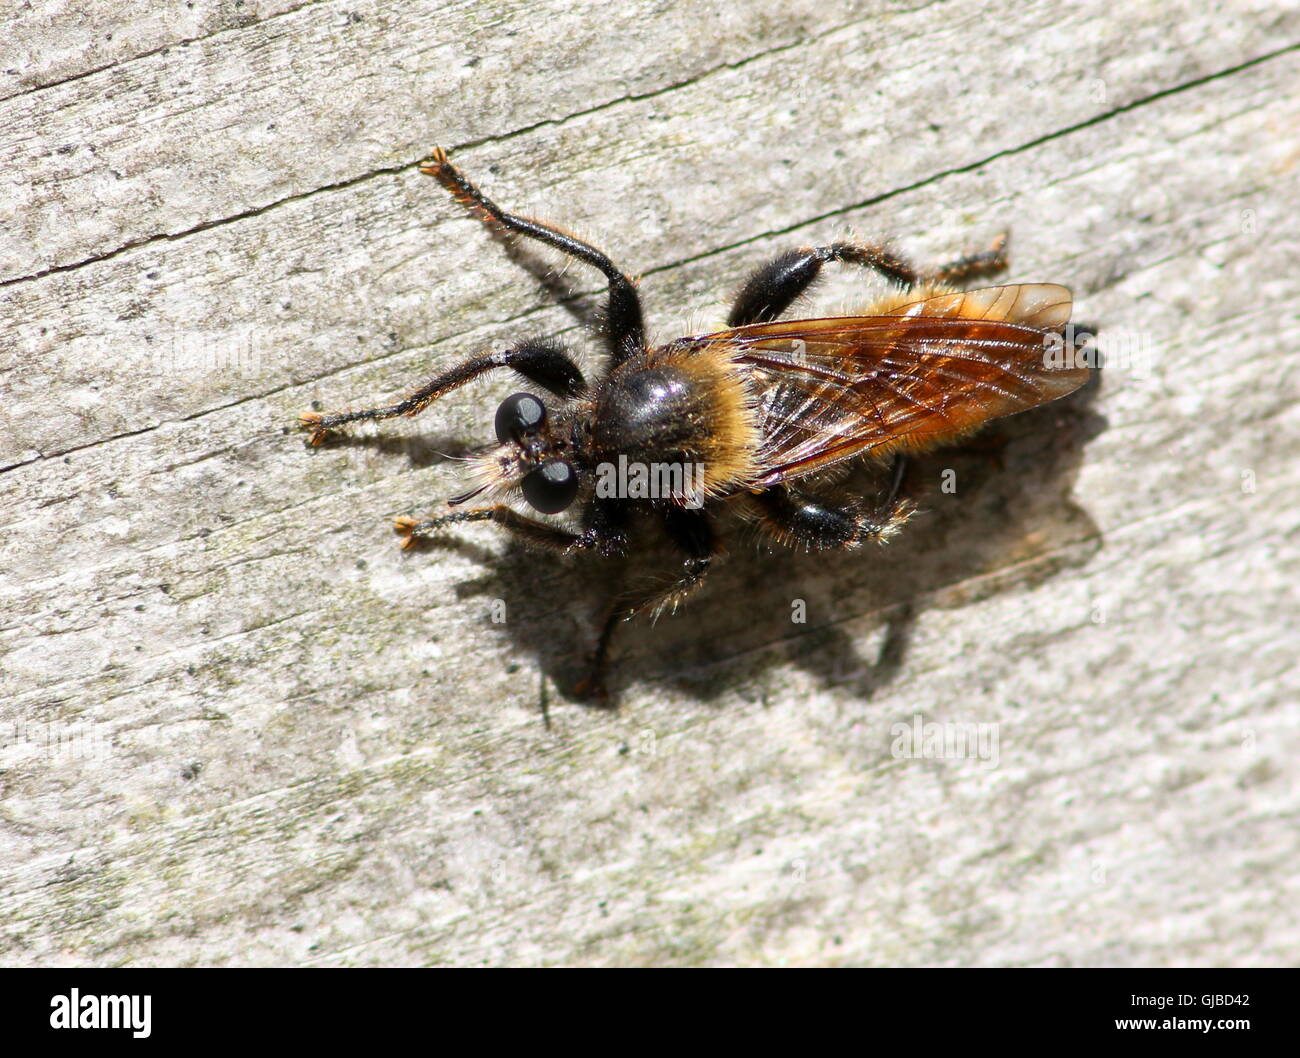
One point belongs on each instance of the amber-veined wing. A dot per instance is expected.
(925, 373)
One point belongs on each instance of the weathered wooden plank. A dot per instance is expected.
(160, 299)
(49, 43)
(236, 121)
(308, 748)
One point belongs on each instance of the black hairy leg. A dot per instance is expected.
(692, 532)
(624, 329)
(543, 362)
(773, 287)
(530, 530)
(801, 520)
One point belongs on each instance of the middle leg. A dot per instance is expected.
(691, 531)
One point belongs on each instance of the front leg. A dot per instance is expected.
(542, 362)
(527, 529)
(604, 528)
(624, 329)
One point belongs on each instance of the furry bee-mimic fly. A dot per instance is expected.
(749, 414)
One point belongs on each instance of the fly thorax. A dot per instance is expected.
(651, 414)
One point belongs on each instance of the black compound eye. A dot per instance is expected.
(518, 416)
(551, 487)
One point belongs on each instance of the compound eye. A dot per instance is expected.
(551, 487)
(518, 416)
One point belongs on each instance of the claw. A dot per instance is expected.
(436, 160)
(405, 527)
(311, 421)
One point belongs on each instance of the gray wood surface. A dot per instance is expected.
(240, 727)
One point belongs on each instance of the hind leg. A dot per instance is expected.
(800, 520)
(772, 288)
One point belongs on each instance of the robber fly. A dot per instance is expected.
(751, 414)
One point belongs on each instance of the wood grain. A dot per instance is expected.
(240, 727)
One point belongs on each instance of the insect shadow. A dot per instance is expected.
(995, 515)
